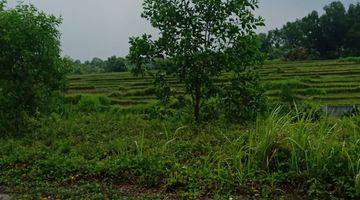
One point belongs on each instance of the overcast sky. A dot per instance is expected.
(101, 28)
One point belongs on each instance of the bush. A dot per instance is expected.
(244, 99)
(31, 66)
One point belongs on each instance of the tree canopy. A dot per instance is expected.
(31, 65)
(97, 65)
(200, 39)
(334, 34)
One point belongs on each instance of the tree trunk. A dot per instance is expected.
(197, 104)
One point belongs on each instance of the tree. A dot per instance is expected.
(114, 64)
(334, 34)
(200, 39)
(272, 44)
(353, 14)
(312, 33)
(293, 34)
(31, 66)
(334, 27)
(97, 64)
(352, 40)
(294, 40)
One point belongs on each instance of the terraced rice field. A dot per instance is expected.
(325, 82)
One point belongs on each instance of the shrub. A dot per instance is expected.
(31, 66)
(243, 100)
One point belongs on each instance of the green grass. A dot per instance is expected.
(119, 153)
(112, 142)
(327, 77)
(350, 59)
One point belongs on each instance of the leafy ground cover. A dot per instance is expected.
(97, 151)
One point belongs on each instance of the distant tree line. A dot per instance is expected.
(97, 65)
(334, 34)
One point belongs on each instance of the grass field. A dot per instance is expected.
(115, 148)
(324, 82)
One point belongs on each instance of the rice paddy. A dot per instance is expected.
(324, 82)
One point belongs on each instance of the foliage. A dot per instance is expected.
(97, 65)
(96, 155)
(334, 34)
(244, 99)
(200, 40)
(31, 66)
(114, 64)
(163, 90)
(140, 53)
